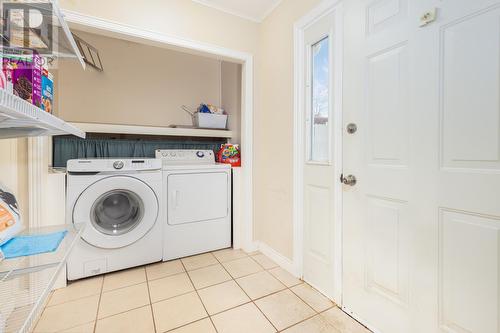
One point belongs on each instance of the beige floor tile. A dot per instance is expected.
(208, 276)
(67, 315)
(222, 297)
(201, 326)
(241, 267)
(312, 297)
(164, 269)
(124, 278)
(264, 261)
(85, 328)
(134, 321)
(123, 299)
(314, 325)
(178, 311)
(169, 287)
(199, 261)
(284, 309)
(260, 284)
(286, 278)
(243, 319)
(75, 290)
(342, 322)
(229, 254)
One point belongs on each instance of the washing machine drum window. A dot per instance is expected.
(118, 210)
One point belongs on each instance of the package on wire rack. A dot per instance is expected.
(10, 217)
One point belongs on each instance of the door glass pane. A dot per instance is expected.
(117, 212)
(320, 95)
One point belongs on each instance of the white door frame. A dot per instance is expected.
(242, 230)
(324, 8)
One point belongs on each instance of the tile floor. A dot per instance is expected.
(221, 292)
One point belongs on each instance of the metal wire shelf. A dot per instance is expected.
(26, 282)
(19, 118)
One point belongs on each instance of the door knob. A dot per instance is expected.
(349, 180)
(351, 128)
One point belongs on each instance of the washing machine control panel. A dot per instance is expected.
(113, 165)
(118, 165)
(185, 156)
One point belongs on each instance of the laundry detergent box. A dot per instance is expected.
(47, 90)
(25, 69)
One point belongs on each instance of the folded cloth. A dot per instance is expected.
(22, 246)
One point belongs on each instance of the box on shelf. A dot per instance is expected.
(24, 67)
(47, 90)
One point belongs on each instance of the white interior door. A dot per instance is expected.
(377, 215)
(421, 228)
(320, 116)
(465, 49)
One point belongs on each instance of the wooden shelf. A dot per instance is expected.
(151, 130)
(19, 118)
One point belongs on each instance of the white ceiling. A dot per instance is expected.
(255, 10)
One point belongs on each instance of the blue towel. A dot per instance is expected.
(22, 246)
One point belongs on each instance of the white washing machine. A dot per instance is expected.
(197, 201)
(120, 202)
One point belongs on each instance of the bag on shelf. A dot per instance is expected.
(10, 217)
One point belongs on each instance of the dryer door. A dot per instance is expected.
(197, 197)
(120, 209)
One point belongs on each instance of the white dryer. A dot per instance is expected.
(119, 200)
(197, 201)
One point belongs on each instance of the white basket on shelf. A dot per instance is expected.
(210, 120)
(207, 120)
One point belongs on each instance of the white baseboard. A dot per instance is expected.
(252, 247)
(278, 258)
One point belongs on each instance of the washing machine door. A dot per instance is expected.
(120, 209)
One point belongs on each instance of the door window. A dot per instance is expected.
(117, 212)
(320, 102)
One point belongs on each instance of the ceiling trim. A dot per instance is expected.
(270, 10)
(255, 19)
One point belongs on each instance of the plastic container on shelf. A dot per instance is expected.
(210, 120)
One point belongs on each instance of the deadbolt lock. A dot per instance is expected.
(348, 180)
(351, 128)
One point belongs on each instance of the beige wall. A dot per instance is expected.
(273, 134)
(231, 97)
(272, 44)
(140, 85)
(180, 18)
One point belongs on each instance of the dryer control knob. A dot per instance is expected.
(200, 154)
(118, 165)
